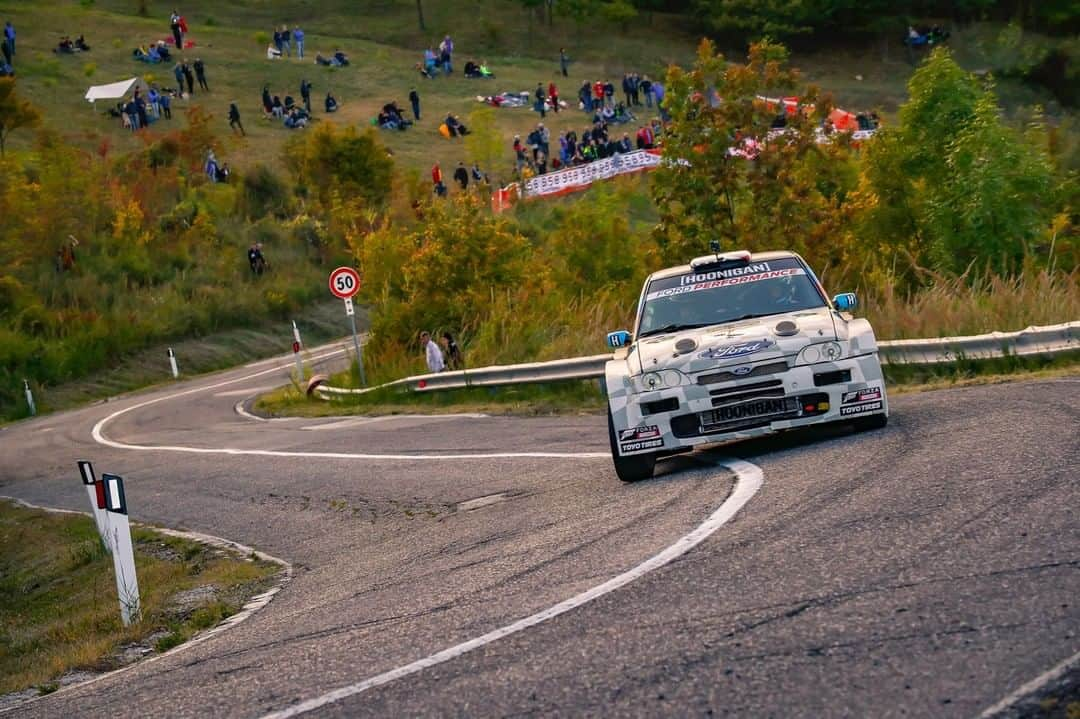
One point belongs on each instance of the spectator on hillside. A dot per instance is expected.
(189, 76)
(200, 73)
(437, 181)
(461, 176)
(178, 73)
(234, 119)
(432, 354)
(286, 40)
(446, 52)
(9, 35)
(541, 100)
(564, 62)
(331, 102)
(256, 258)
(305, 94)
(414, 100)
(5, 47)
(295, 119)
(646, 90)
(553, 96)
(298, 38)
(278, 43)
(174, 25)
(454, 360)
(585, 97)
(165, 104)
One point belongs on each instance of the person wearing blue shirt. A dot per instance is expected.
(9, 35)
(298, 36)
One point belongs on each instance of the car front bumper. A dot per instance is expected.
(675, 418)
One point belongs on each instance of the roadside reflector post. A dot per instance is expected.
(95, 491)
(127, 585)
(172, 364)
(356, 340)
(296, 347)
(29, 398)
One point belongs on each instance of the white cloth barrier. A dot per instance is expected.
(575, 178)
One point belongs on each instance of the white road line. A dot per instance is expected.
(357, 421)
(98, 434)
(244, 392)
(1031, 687)
(748, 482)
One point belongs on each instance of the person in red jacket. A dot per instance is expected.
(598, 94)
(436, 180)
(553, 96)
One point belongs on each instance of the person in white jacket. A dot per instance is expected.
(434, 355)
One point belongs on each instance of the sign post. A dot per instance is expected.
(96, 491)
(127, 585)
(344, 283)
(296, 345)
(172, 364)
(29, 398)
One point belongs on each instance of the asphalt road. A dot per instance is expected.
(924, 570)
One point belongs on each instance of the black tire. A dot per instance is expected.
(874, 421)
(629, 469)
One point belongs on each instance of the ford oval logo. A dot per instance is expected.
(741, 371)
(736, 350)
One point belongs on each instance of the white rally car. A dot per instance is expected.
(734, 346)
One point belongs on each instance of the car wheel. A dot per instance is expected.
(874, 421)
(629, 469)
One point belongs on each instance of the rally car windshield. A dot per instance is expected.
(758, 289)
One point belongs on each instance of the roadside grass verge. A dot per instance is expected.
(197, 355)
(58, 606)
(585, 396)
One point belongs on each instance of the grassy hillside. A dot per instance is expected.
(384, 43)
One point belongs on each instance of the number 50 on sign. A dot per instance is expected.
(344, 282)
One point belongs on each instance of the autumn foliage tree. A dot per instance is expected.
(15, 112)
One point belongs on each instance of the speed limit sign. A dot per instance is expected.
(344, 282)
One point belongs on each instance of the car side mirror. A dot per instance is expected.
(845, 302)
(617, 339)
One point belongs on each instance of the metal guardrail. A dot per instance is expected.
(1047, 341)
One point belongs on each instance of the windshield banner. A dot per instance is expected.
(755, 272)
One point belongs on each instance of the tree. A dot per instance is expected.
(705, 189)
(15, 112)
(951, 184)
(484, 143)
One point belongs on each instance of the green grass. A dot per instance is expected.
(530, 399)
(318, 323)
(58, 606)
(384, 43)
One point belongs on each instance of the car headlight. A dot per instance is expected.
(820, 352)
(659, 380)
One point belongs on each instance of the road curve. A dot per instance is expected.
(925, 570)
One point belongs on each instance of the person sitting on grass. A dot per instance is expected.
(331, 103)
(294, 120)
(455, 126)
(339, 59)
(472, 70)
(65, 45)
(484, 71)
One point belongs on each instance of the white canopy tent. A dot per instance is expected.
(115, 90)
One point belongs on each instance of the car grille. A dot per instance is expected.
(728, 375)
(741, 393)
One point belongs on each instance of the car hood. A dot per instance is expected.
(735, 343)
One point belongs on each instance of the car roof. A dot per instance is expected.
(755, 257)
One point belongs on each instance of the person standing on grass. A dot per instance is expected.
(446, 54)
(174, 25)
(286, 40)
(178, 72)
(564, 62)
(190, 77)
(553, 95)
(200, 74)
(298, 38)
(234, 118)
(166, 105)
(462, 176)
(414, 100)
(541, 101)
(9, 35)
(5, 46)
(432, 353)
(305, 94)
(454, 360)
(436, 180)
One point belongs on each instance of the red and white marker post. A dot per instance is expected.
(344, 283)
